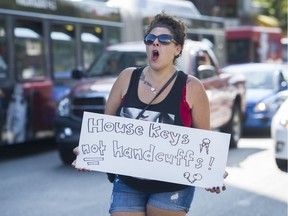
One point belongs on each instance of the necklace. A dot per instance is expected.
(142, 78)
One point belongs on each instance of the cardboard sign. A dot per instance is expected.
(152, 150)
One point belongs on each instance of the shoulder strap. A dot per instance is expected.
(161, 90)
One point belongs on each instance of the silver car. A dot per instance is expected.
(279, 133)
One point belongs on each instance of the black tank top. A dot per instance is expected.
(167, 111)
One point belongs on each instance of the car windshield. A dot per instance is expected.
(260, 80)
(111, 63)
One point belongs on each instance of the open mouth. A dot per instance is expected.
(155, 55)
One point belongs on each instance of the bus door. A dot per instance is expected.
(29, 111)
(31, 73)
(5, 85)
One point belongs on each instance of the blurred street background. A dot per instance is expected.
(48, 48)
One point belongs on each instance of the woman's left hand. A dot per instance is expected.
(76, 152)
(218, 189)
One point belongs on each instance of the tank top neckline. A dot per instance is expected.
(164, 99)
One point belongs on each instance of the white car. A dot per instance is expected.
(279, 133)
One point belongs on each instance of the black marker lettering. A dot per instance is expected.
(92, 125)
(164, 134)
(94, 148)
(153, 131)
(102, 147)
(129, 129)
(139, 130)
(199, 163)
(127, 152)
(169, 158)
(119, 128)
(138, 154)
(174, 138)
(117, 151)
(159, 157)
(109, 126)
(149, 154)
(85, 149)
(189, 157)
(185, 139)
(179, 156)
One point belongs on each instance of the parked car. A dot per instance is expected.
(279, 134)
(226, 94)
(264, 83)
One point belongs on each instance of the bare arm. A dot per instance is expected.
(198, 101)
(117, 92)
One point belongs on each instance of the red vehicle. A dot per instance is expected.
(253, 44)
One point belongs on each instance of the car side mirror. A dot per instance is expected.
(206, 71)
(78, 73)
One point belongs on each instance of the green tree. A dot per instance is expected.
(276, 8)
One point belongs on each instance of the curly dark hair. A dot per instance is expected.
(176, 26)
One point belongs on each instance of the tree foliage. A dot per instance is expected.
(276, 8)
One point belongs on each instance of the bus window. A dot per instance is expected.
(238, 51)
(193, 36)
(63, 50)
(274, 49)
(92, 43)
(113, 35)
(3, 52)
(29, 50)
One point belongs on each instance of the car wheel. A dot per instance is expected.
(66, 154)
(281, 164)
(234, 126)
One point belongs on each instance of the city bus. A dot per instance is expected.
(253, 44)
(43, 41)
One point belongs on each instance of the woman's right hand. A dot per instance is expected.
(76, 152)
(218, 189)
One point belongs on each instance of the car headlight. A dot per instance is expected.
(269, 104)
(265, 106)
(64, 107)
